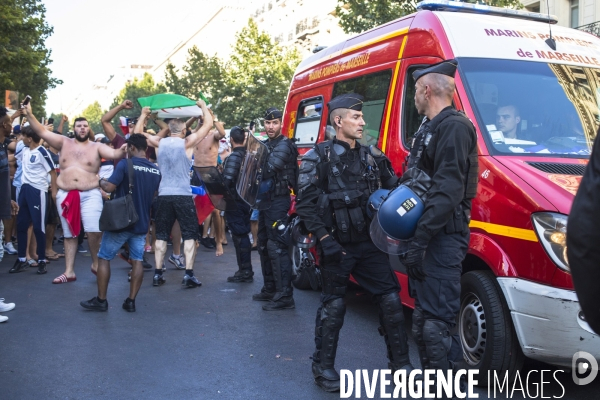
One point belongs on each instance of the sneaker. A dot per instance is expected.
(158, 280)
(145, 263)
(80, 249)
(129, 305)
(205, 241)
(3, 318)
(19, 266)
(94, 304)
(4, 307)
(10, 248)
(175, 260)
(42, 268)
(190, 281)
(213, 241)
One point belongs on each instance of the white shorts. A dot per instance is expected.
(91, 208)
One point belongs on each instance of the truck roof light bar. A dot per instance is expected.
(458, 6)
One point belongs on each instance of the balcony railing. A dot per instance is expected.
(593, 28)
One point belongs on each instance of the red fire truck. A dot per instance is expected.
(536, 111)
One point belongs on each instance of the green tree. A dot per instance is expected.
(93, 113)
(133, 91)
(201, 73)
(258, 76)
(360, 15)
(24, 58)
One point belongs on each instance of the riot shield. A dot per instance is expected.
(219, 194)
(251, 174)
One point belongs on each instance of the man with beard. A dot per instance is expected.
(281, 175)
(78, 198)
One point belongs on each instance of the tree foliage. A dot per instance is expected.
(134, 90)
(93, 113)
(257, 76)
(201, 73)
(24, 58)
(360, 15)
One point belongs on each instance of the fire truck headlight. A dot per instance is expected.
(551, 229)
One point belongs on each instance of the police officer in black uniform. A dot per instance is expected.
(238, 220)
(443, 162)
(335, 182)
(281, 176)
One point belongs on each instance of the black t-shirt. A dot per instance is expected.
(146, 180)
(4, 181)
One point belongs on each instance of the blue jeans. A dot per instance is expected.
(112, 242)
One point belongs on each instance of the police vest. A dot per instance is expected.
(282, 166)
(348, 189)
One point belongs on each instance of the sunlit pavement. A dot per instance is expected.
(202, 343)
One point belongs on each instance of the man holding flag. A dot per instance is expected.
(175, 201)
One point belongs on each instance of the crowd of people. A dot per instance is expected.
(334, 185)
(53, 181)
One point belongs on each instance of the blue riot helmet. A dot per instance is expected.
(375, 201)
(396, 220)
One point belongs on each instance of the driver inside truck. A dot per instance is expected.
(507, 120)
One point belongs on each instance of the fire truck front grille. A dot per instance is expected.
(556, 168)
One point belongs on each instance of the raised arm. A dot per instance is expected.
(202, 130)
(220, 129)
(61, 125)
(53, 139)
(109, 131)
(112, 154)
(139, 128)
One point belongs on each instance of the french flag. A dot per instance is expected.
(124, 125)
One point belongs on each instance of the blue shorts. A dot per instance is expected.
(112, 242)
(254, 215)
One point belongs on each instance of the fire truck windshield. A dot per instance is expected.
(534, 108)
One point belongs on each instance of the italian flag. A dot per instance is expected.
(168, 105)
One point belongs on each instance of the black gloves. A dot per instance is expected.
(413, 260)
(332, 251)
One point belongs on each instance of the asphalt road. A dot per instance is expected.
(211, 342)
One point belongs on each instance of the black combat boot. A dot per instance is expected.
(245, 274)
(330, 318)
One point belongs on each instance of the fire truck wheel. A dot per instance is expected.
(300, 278)
(485, 327)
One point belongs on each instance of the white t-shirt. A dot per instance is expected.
(36, 163)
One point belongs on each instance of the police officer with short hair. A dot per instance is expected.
(443, 161)
(281, 176)
(336, 179)
(238, 220)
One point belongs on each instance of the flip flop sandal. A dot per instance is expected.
(32, 262)
(62, 278)
(53, 258)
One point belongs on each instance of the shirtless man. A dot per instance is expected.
(79, 165)
(205, 155)
(174, 156)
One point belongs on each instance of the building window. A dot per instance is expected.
(574, 13)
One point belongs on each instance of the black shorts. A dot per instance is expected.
(52, 216)
(180, 208)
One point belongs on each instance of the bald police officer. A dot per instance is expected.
(336, 179)
(444, 152)
(281, 176)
